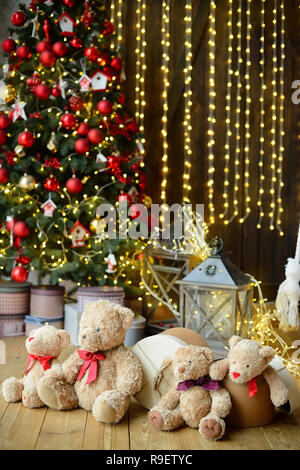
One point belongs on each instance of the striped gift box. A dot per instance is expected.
(12, 325)
(92, 294)
(14, 298)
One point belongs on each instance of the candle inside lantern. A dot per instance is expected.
(297, 254)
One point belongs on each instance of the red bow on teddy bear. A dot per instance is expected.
(91, 362)
(43, 360)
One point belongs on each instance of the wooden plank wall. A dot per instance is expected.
(262, 253)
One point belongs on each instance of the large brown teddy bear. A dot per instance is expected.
(195, 400)
(44, 345)
(246, 360)
(101, 376)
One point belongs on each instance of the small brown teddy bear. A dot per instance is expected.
(246, 360)
(44, 345)
(101, 376)
(196, 400)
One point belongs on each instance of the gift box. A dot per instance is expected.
(14, 298)
(32, 323)
(72, 319)
(92, 294)
(156, 354)
(12, 325)
(47, 301)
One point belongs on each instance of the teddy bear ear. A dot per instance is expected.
(267, 353)
(126, 316)
(64, 336)
(234, 340)
(208, 354)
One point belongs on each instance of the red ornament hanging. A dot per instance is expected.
(68, 121)
(24, 52)
(8, 45)
(76, 43)
(74, 185)
(19, 274)
(83, 129)
(125, 197)
(108, 28)
(104, 58)
(91, 53)
(18, 18)
(5, 122)
(26, 139)
(82, 146)
(104, 107)
(21, 229)
(10, 222)
(4, 175)
(51, 184)
(3, 137)
(43, 46)
(117, 64)
(17, 242)
(60, 48)
(69, 3)
(95, 136)
(42, 92)
(33, 81)
(121, 99)
(48, 58)
(132, 126)
(46, 29)
(56, 92)
(76, 103)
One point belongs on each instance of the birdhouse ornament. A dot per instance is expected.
(111, 262)
(99, 81)
(78, 234)
(66, 24)
(49, 207)
(84, 83)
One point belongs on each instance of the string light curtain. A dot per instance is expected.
(140, 52)
(211, 109)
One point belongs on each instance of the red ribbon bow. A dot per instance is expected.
(43, 360)
(252, 387)
(91, 363)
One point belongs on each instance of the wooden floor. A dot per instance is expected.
(24, 428)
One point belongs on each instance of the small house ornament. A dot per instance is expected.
(216, 297)
(66, 24)
(84, 83)
(49, 207)
(100, 158)
(78, 234)
(98, 81)
(111, 262)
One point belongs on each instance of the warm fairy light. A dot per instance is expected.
(140, 96)
(187, 123)
(228, 112)
(116, 18)
(165, 43)
(211, 104)
(247, 114)
(261, 190)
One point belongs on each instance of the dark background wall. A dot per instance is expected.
(260, 252)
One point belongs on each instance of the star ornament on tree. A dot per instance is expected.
(18, 110)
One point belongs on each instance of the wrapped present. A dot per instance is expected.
(14, 298)
(47, 301)
(72, 319)
(12, 325)
(156, 354)
(32, 323)
(92, 294)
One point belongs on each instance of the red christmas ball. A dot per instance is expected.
(43, 46)
(21, 229)
(48, 58)
(19, 274)
(17, 242)
(18, 18)
(76, 43)
(5, 122)
(116, 64)
(109, 72)
(26, 139)
(8, 45)
(91, 53)
(104, 107)
(3, 137)
(121, 99)
(104, 58)
(69, 3)
(83, 129)
(95, 136)
(82, 146)
(68, 121)
(125, 197)
(113, 162)
(51, 184)
(74, 185)
(42, 91)
(56, 92)
(108, 28)
(33, 81)
(76, 103)
(60, 48)
(24, 52)
(10, 224)
(4, 175)
(132, 127)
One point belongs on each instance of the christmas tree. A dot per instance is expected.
(67, 146)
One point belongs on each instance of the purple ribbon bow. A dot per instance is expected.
(203, 382)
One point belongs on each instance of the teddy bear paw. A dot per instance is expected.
(12, 390)
(211, 428)
(156, 419)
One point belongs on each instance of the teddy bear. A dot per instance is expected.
(195, 399)
(103, 374)
(44, 345)
(247, 360)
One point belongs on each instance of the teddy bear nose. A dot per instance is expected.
(235, 374)
(181, 369)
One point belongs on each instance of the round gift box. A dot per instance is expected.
(136, 332)
(14, 298)
(249, 412)
(32, 323)
(47, 301)
(12, 325)
(92, 294)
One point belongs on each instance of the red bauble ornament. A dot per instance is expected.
(19, 274)
(116, 64)
(42, 91)
(74, 185)
(121, 99)
(8, 45)
(108, 28)
(125, 197)
(91, 53)
(82, 146)
(108, 72)
(69, 3)
(76, 103)
(48, 58)
(17, 242)
(18, 18)
(113, 162)
(60, 48)
(51, 184)
(95, 136)
(4, 175)
(132, 127)
(68, 121)
(26, 139)
(83, 129)
(33, 81)
(104, 58)
(76, 43)
(3, 137)
(43, 46)
(21, 229)
(10, 224)
(104, 107)
(56, 92)
(24, 52)
(5, 122)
